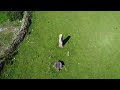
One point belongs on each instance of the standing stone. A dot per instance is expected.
(60, 41)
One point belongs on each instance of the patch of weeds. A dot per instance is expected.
(16, 23)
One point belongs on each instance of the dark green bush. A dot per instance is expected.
(14, 15)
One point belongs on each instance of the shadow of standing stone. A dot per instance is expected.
(66, 40)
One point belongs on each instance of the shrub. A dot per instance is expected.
(15, 15)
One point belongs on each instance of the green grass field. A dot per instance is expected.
(93, 47)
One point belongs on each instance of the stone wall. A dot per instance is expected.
(11, 51)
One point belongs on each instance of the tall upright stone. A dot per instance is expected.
(60, 41)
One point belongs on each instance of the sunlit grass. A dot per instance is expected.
(93, 47)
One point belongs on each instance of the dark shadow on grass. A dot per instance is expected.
(1, 66)
(10, 60)
(66, 40)
(62, 62)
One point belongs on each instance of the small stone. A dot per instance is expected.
(68, 54)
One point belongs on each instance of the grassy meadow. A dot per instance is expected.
(94, 46)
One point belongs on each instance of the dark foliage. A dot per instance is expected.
(14, 15)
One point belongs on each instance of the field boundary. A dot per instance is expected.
(11, 51)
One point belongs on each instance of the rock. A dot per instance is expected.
(68, 54)
(60, 41)
(59, 65)
(1, 29)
